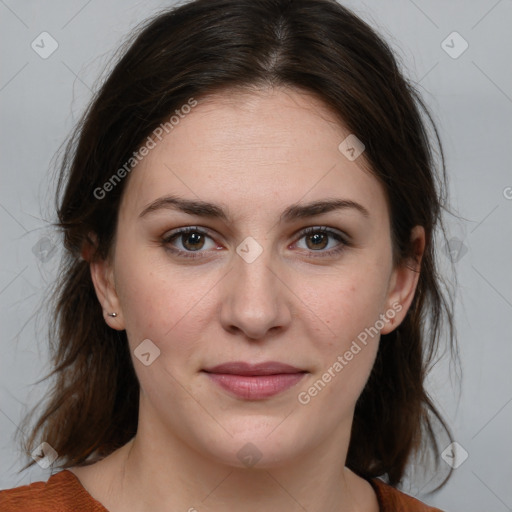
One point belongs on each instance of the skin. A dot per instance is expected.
(254, 154)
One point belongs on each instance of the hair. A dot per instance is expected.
(214, 46)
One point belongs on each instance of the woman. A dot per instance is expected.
(248, 208)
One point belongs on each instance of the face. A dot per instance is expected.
(261, 276)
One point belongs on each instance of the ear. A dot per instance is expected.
(102, 275)
(403, 282)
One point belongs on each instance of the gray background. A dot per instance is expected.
(471, 99)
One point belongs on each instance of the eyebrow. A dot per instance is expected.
(210, 210)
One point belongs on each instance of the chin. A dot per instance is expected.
(258, 444)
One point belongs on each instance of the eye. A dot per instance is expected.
(317, 239)
(192, 239)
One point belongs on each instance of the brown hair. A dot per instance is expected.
(208, 46)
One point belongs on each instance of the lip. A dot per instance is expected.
(255, 381)
(243, 368)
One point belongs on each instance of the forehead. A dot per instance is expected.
(252, 151)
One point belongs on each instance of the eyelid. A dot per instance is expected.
(324, 229)
(186, 229)
(175, 233)
(342, 238)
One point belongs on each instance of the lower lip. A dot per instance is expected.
(255, 387)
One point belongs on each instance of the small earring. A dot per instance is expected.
(112, 314)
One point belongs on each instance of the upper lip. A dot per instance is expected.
(243, 368)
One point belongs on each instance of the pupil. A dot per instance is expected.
(196, 239)
(318, 238)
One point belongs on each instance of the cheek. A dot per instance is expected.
(157, 307)
(345, 359)
(348, 308)
(348, 301)
(156, 298)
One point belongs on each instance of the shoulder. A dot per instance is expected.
(393, 500)
(62, 492)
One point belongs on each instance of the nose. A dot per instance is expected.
(255, 298)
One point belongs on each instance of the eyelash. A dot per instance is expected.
(308, 231)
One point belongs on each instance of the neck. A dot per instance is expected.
(158, 471)
(203, 485)
(178, 478)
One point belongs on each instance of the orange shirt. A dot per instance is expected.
(63, 492)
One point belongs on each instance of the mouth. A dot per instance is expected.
(255, 381)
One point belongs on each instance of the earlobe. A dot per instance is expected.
(404, 281)
(103, 279)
